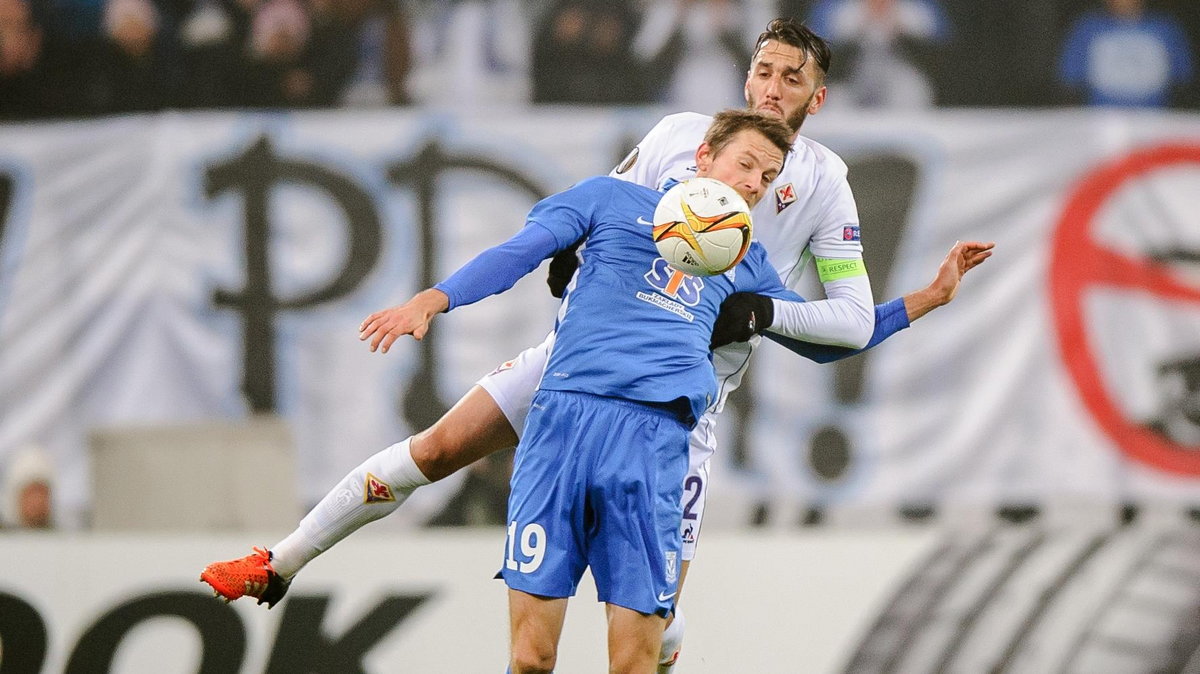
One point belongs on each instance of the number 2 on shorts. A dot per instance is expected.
(533, 546)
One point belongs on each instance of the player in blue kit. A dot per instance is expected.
(598, 473)
(635, 599)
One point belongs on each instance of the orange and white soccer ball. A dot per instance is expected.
(702, 227)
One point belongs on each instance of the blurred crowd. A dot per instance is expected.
(72, 58)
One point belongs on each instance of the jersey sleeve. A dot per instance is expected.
(844, 319)
(570, 214)
(500, 267)
(837, 234)
(554, 224)
(890, 318)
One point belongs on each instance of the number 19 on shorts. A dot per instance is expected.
(533, 547)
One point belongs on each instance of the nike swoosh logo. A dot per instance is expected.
(644, 221)
(665, 597)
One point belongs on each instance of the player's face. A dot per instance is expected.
(784, 83)
(748, 163)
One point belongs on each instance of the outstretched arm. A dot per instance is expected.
(745, 309)
(493, 271)
(962, 258)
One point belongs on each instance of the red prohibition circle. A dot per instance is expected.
(1078, 262)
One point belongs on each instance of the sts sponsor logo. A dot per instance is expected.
(675, 284)
(683, 289)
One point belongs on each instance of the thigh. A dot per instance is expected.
(545, 552)
(535, 625)
(635, 550)
(634, 639)
(514, 382)
(474, 428)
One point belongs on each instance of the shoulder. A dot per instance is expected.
(808, 152)
(681, 127)
(609, 190)
(756, 258)
(686, 120)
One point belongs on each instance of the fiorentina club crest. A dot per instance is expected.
(784, 196)
(377, 491)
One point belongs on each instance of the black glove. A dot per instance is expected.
(742, 315)
(562, 268)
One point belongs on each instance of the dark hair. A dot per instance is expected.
(792, 32)
(727, 123)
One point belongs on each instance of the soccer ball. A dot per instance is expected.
(702, 227)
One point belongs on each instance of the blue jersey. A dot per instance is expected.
(633, 327)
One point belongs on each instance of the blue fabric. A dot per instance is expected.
(631, 326)
(499, 268)
(1120, 62)
(597, 482)
(890, 317)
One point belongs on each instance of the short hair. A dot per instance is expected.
(727, 123)
(792, 32)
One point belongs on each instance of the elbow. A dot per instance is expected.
(863, 331)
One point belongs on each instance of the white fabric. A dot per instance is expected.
(843, 323)
(513, 383)
(114, 247)
(373, 490)
(805, 214)
(672, 641)
(31, 465)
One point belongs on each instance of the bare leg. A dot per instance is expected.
(633, 640)
(472, 429)
(535, 625)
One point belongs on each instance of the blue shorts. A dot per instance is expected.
(597, 482)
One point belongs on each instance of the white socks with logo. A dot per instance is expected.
(672, 641)
(371, 491)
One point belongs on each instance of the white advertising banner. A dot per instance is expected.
(988, 598)
(172, 269)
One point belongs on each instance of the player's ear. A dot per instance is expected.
(817, 101)
(703, 157)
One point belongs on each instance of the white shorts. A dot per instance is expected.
(513, 384)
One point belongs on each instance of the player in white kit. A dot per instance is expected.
(809, 214)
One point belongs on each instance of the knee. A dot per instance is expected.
(436, 452)
(532, 659)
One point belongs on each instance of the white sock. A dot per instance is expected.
(672, 640)
(371, 491)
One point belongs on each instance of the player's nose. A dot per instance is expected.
(751, 192)
(773, 90)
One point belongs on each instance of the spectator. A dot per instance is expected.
(384, 56)
(274, 75)
(73, 55)
(886, 48)
(133, 70)
(211, 36)
(1125, 55)
(470, 53)
(28, 491)
(20, 58)
(581, 54)
(694, 48)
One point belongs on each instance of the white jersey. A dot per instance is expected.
(809, 212)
